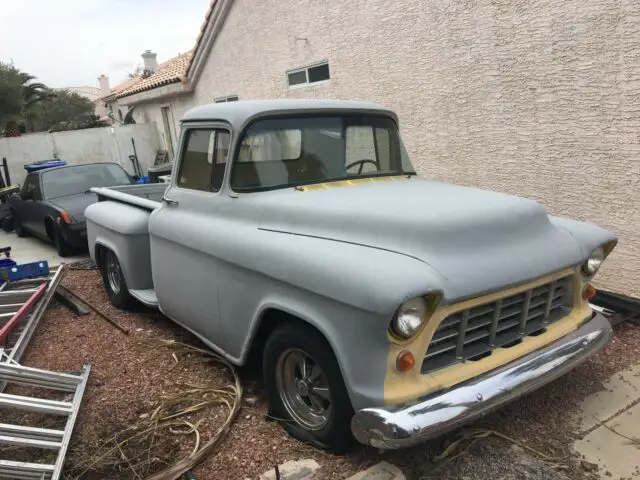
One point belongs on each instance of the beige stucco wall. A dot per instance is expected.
(534, 98)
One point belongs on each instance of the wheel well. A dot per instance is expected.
(269, 321)
(100, 251)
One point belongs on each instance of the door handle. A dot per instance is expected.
(169, 202)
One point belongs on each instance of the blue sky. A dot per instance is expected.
(71, 42)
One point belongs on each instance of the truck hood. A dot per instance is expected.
(475, 240)
(75, 204)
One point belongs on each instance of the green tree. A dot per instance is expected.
(61, 108)
(19, 94)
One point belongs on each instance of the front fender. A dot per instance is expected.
(348, 292)
(587, 236)
(358, 339)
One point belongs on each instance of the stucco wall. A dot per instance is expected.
(534, 98)
(81, 146)
(150, 111)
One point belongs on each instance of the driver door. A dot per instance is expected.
(183, 233)
(26, 210)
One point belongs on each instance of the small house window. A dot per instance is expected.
(228, 98)
(120, 114)
(308, 75)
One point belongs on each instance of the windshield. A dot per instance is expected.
(80, 178)
(285, 152)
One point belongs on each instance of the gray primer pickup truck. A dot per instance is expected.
(380, 304)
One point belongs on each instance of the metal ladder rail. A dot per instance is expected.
(43, 438)
(22, 312)
(29, 328)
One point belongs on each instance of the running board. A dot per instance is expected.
(148, 297)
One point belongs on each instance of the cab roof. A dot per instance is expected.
(240, 113)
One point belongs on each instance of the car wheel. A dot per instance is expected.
(114, 281)
(306, 389)
(62, 247)
(20, 231)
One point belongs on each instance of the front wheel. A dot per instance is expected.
(20, 231)
(306, 389)
(62, 247)
(114, 282)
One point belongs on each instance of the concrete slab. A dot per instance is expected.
(30, 249)
(293, 470)
(380, 471)
(617, 448)
(620, 391)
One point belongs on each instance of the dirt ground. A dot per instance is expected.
(132, 374)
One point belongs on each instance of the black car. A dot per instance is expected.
(52, 201)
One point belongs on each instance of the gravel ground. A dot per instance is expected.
(131, 372)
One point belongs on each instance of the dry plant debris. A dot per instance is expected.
(133, 449)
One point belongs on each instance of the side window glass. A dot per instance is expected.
(203, 160)
(29, 185)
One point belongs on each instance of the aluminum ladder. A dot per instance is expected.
(33, 437)
(22, 305)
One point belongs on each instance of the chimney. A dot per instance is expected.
(103, 81)
(150, 62)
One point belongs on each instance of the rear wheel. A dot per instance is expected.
(114, 282)
(306, 389)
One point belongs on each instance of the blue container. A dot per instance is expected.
(6, 262)
(24, 270)
(35, 166)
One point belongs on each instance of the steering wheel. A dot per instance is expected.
(362, 163)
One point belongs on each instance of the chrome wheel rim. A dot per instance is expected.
(303, 389)
(113, 272)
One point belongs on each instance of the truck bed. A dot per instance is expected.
(119, 222)
(145, 196)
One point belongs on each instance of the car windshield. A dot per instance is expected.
(61, 182)
(286, 152)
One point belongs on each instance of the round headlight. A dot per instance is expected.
(593, 263)
(409, 317)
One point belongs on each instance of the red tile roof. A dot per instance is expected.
(171, 71)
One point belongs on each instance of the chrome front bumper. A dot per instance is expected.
(437, 413)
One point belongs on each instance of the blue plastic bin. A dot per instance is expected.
(32, 167)
(24, 270)
(7, 262)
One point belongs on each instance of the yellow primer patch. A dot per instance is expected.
(349, 183)
(404, 387)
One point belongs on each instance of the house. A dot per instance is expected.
(538, 99)
(158, 81)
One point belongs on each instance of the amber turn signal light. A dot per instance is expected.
(405, 361)
(588, 292)
(65, 217)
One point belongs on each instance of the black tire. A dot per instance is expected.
(335, 436)
(20, 231)
(62, 247)
(119, 297)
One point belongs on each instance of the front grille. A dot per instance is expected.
(473, 334)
